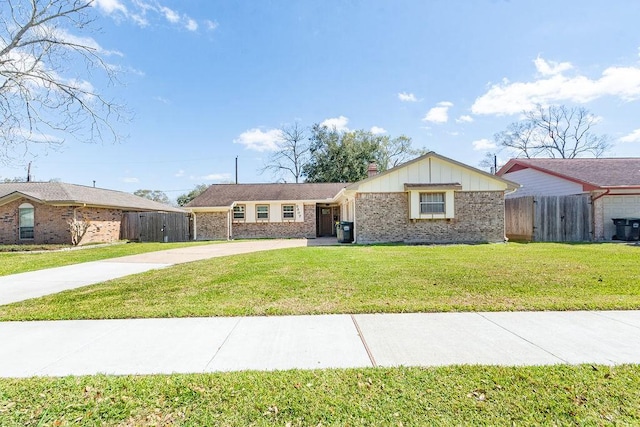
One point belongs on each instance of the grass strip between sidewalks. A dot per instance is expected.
(458, 395)
(363, 279)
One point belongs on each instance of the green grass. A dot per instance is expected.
(471, 395)
(56, 256)
(363, 279)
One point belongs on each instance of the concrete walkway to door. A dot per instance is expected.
(33, 284)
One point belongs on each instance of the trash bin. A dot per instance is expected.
(633, 225)
(344, 231)
(627, 228)
(621, 228)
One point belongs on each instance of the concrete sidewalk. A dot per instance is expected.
(33, 284)
(193, 345)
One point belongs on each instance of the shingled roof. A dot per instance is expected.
(593, 173)
(59, 193)
(219, 195)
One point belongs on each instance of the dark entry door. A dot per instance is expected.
(325, 222)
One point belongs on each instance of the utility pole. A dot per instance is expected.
(29, 172)
(236, 169)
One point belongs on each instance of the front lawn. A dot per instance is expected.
(363, 279)
(39, 257)
(458, 395)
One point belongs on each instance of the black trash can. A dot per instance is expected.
(633, 225)
(344, 231)
(621, 228)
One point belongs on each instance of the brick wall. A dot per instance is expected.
(51, 224)
(212, 226)
(384, 217)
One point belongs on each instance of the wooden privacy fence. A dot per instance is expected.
(549, 218)
(155, 226)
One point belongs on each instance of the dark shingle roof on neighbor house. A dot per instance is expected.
(59, 193)
(219, 195)
(596, 173)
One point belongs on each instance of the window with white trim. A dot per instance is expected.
(26, 215)
(239, 213)
(288, 212)
(262, 212)
(431, 203)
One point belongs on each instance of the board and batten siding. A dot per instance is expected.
(431, 170)
(536, 183)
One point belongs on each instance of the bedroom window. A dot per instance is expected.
(432, 203)
(262, 212)
(238, 213)
(26, 215)
(288, 212)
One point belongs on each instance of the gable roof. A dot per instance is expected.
(591, 173)
(60, 193)
(509, 185)
(224, 195)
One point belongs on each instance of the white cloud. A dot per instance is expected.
(192, 25)
(439, 114)
(551, 68)
(407, 97)
(140, 11)
(464, 119)
(256, 139)
(632, 137)
(110, 6)
(377, 130)
(89, 42)
(483, 144)
(337, 123)
(130, 180)
(513, 98)
(212, 177)
(161, 99)
(211, 25)
(179, 174)
(171, 15)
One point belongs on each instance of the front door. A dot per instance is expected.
(326, 221)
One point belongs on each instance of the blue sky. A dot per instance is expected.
(207, 80)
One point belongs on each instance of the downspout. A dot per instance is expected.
(195, 227)
(230, 224)
(593, 213)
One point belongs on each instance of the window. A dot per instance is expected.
(432, 203)
(262, 212)
(27, 220)
(288, 212)
(238, 212)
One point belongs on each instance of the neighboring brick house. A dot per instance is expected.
(431, 199)
(612, 183)
(37, 212)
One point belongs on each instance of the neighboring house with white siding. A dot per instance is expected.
(431, 199)
(612, 183)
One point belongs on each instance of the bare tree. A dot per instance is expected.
(44, 96)
(554, 131)
(292, 153)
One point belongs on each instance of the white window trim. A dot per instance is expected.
(292, 213)
(414, 205)
(244, 213)
(258, 219)
(20, 227)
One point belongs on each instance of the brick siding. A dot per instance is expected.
(212, 226)
(51, 224)
(384, 217)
